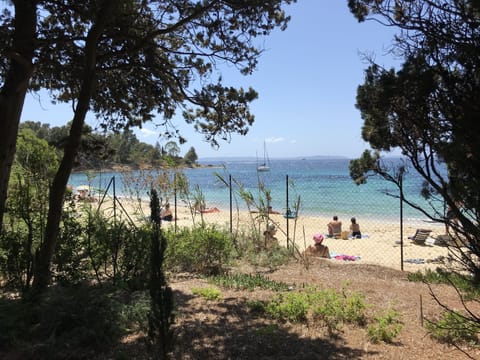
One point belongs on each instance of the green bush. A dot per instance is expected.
(209, 293)
(13, 258)
(134, 315)
(453, 328)
(205, 249)
(75, 322)
(71, 260)
(329, 306)
(134, 261)
(464, 283)
(248, 282)
(386, 328)
(334, 308)
(271, 258)
(256, 306)
(290, 306)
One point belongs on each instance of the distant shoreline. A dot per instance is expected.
(126, 168)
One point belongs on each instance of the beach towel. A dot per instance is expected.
(415, 261)
(344, 257)
(364, 236)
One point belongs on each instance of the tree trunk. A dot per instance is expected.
(59, 184)
(12, 95)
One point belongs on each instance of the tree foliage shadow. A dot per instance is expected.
(78, 322)
(84, 322)
(229, 329)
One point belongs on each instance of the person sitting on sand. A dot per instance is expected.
(84, 195)
(269, 234)
(355, 229)
(271, 211)
(318, 249)
(200, 208)
(166, 213)
(334, 227)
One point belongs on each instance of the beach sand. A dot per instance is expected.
(380, 244)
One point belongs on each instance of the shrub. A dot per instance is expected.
(208, 293)
(464, 283)
(454, 328)
(329, 306)
(335, 308)
(290, 306)
(205, 249)
(248, 282)
(134, 315)
(80, 322)
(386, 328)
(272, 258)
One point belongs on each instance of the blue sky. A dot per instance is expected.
(306, 79)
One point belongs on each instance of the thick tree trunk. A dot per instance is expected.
(57, 193)
(57, 190)
(12, 95)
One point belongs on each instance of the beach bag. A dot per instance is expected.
(345, 235)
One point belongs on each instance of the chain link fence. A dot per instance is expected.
(301, 206)
(299, 210)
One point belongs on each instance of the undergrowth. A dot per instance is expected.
(463, 283)
(333, 309)
(248, 282)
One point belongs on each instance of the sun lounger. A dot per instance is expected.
(420, 236)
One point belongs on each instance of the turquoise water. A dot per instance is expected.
(323, 185)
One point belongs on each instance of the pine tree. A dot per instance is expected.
(161, 315)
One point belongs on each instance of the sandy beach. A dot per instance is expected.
(379, 245)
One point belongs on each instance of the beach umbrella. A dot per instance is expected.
(83, 188)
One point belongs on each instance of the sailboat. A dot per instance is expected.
(265, 166)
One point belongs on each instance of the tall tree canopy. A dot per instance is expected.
(430, 107)
(127, 61)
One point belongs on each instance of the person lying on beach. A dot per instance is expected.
(200, 208)
(318, 249)
(355, 229)
(269, 211)
(270, 239)
(166, 213)
(334, 227)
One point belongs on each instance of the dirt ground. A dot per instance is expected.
(228, 329)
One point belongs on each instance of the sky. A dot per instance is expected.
(306, 78)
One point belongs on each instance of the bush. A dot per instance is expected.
(272, 258)
(454, 328)
(288, 307)
(209, 293)
(248, 282)
(386, 328)
(70, 323)
(204, 250)
(335, 308)
(464, 283)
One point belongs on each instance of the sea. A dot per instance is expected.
(320, 186)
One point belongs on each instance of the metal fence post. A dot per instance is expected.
(287, 207)
(400, 183)
(231, 202)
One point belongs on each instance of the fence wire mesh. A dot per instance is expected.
(299, 210)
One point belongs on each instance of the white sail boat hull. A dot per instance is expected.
(265, 166)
